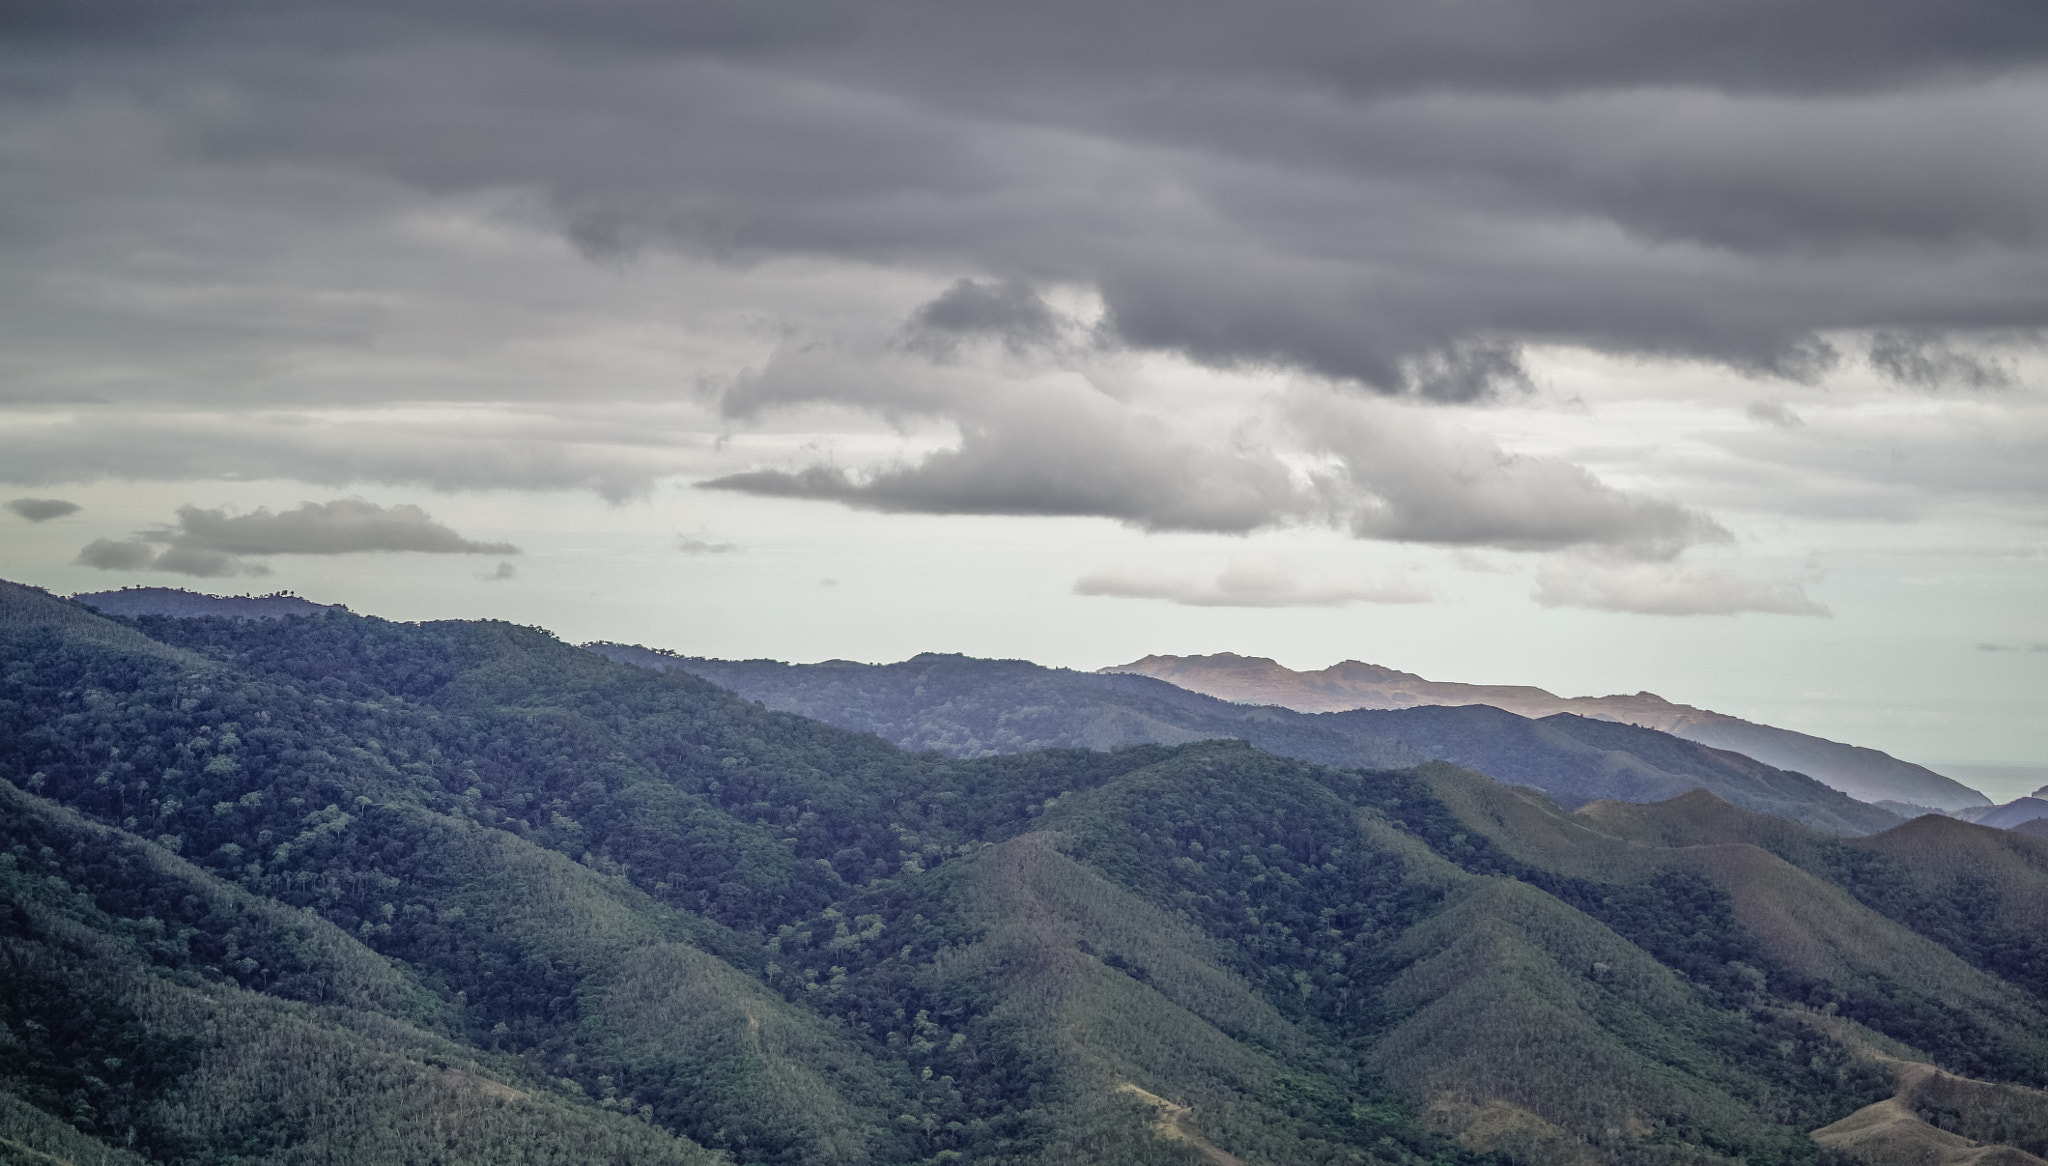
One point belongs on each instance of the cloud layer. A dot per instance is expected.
(212, 543)
(1383, 196)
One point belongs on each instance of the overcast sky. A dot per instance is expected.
(1693, 346)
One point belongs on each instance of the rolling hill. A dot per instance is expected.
(331, 888)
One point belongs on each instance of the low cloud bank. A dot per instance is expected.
(214, 543)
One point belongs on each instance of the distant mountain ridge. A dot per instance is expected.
(1866, 774)
(175, 601)
(966, 707)
(2017, 812)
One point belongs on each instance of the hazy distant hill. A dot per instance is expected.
(966, 707)
(133, 601)
(337, 889)
(2017, 812)
(1866, 774)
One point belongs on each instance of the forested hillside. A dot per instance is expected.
(330, 888)
(969, 708)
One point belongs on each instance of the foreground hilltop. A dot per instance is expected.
(331, 888)
(1866, 774)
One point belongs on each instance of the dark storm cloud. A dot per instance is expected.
(43, 509)
(1802, 46)
(212, 542)
(1396, 195)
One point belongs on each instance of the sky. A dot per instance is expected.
(1693, 347)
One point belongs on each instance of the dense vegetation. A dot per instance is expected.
(334, 888)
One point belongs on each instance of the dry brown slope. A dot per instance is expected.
(1981, 1123)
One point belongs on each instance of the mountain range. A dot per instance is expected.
(965, 707)
(1866, 774)
(332, 888)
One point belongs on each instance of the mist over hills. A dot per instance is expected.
(1866, 774)
(966, 707)
(332, 888)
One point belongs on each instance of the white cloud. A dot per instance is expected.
(1250, 585)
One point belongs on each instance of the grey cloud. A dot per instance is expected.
(1666, 589)
(698, 546)
(1390, 473)
(1410, 478)
(148, 553)
(500, 573)
(342, 527)
(1377, 193)
(1930, 361)
(1249, 585)
(1516, 44)
(213, 542)
(43, 509)
(1009, 309)
(2034, 647)
(117, 554)
(1063, 463)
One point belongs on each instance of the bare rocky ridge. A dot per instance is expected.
(1866, 774)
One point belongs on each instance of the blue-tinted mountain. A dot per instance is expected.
(1866, 774)
(966, 707)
